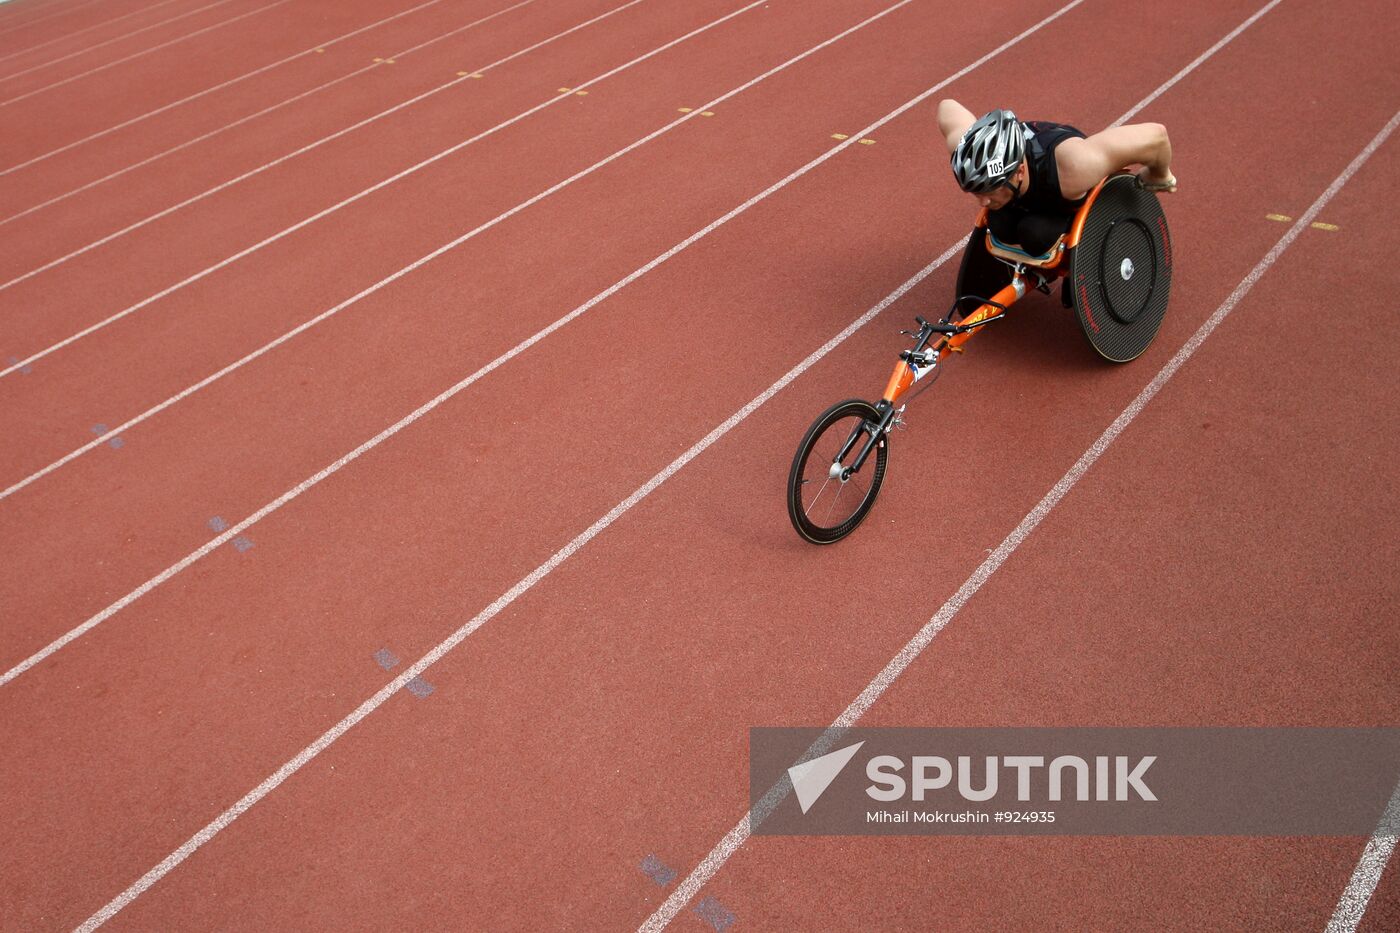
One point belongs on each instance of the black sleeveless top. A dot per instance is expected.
(1043, 196)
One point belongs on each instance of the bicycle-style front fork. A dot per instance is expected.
(842, 471)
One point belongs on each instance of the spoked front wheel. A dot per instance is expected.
(827, 499)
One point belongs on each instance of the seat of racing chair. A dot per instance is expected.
(1012, 252)
(1050, 259)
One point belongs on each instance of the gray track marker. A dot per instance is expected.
(386, 659)
(25, 369)
(715, 914)
(242, 544)
(420, 688)
(101, 429)
(657, 870)
(217, 524)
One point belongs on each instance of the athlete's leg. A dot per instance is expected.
(1005, 223)
(1038, 232)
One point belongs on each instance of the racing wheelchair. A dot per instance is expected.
(1114, 263)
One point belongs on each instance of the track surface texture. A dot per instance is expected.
(396, 399)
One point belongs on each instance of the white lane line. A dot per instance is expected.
(185, 100)
(209, 192)
(382, 283)
(501, 360)
(75, 33)
(1208, 53)
(382, 696)
(1351, 907)
(438, 652)
(210, 270)
(93, 48)
(736, 836)
(156, 48)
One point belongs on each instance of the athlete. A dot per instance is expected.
(1033, 176)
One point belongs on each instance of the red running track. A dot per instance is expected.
(503, 801)
(25, 30)
(74, 110)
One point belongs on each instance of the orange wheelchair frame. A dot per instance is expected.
(913, 365)
(837, 471)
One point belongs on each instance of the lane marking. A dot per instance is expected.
(1351, 907)
(328, 738)
(499, 361)
(715, 915)
(116, 443)
(24, 21)
(1195, 63)
(867, 142)
(76, 33)
(658, 871)
(107, 42)
(278, 161)
(185, 100)
(736, 837)
(1282, 218)
(839, 136)
(122, 61)
(406, 270)
(1318, 225)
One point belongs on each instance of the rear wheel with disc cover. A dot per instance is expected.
(1121, 270)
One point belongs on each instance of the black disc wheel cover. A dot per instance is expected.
(1121, 270)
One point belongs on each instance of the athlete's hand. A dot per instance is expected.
(1151, 181)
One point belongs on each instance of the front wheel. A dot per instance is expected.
(826, 499)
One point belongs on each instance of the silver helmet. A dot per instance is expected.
(990, 152)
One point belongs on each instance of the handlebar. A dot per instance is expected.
(946, 327)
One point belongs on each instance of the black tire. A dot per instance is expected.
(811, 470)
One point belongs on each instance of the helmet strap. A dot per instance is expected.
(1016, 192)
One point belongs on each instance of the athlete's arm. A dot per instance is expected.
(1083, 163)
(953, 121)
